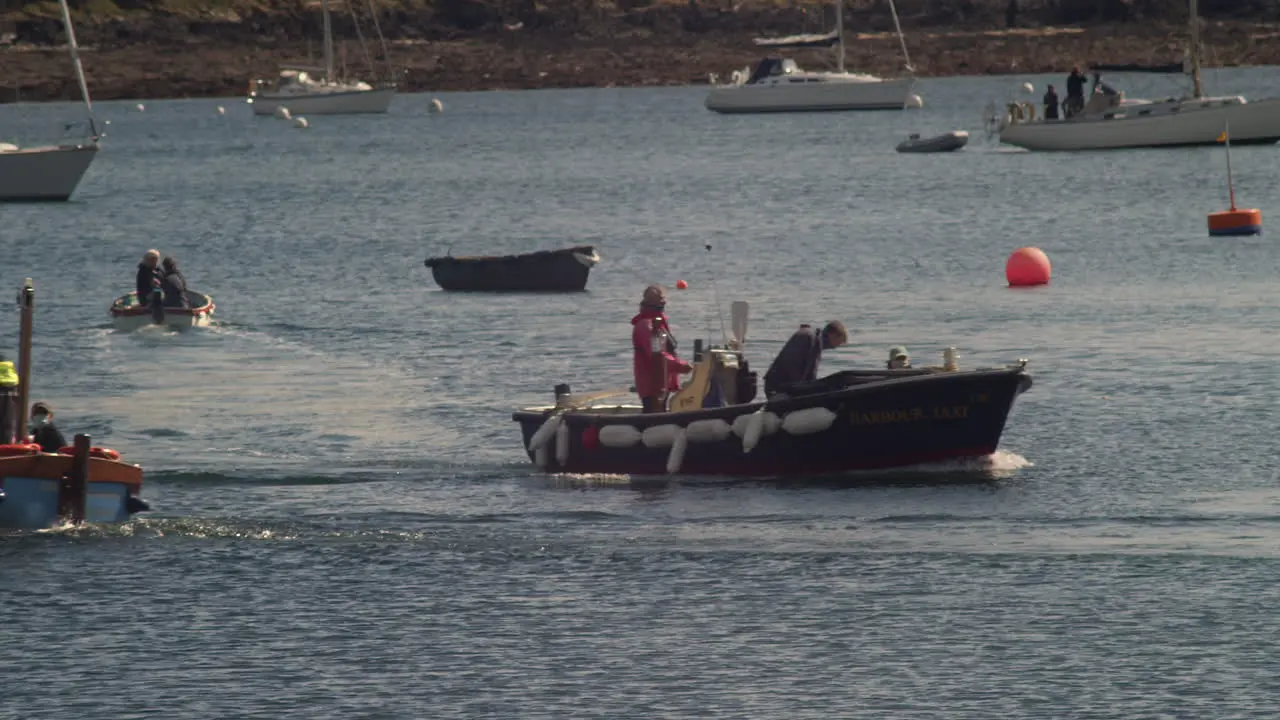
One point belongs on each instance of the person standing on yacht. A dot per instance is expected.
(1051, 104)
(1075, 91)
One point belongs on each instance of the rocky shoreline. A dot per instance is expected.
(221, 65)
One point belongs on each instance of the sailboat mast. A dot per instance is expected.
(840, 33)
(75, 60)
(1198, 90)
(328, 42)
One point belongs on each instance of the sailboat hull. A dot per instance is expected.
(827, 95)
(1252, 123)
(45, 174)
(377, 100)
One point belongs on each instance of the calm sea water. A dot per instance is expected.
(346, 526)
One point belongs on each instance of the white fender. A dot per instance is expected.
(659, 435)
(740, 424)
(540, 457)
(619, 436)
(545, 432)
(808, 421)
(771, 423)
(754, 427)
(562, 444)
(706, 431)
(676, 458)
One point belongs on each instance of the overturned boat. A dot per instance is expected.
(564, 270)
(128, 314)
(848, 421)
(76, 484)
(946, 142)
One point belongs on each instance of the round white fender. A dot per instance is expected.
(707, 431)
(808, 421)
(619, 436)
(540, 457)
(659, 436)
(771, 423)
(544, 433)
(676, 457)
(562, 444)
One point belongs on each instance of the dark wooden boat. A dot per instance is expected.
(854, 420)
(564, 270)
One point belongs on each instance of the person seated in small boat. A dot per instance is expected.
(43, 432)
(898, 358)
(797, 362)
(148, 276)
(173, 283)
(657, 368)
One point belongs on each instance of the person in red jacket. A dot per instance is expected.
(657, 368)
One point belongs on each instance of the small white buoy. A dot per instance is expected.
(282, 112)
(436, 105)
(222, 110)
(1028, 87)
(300, 122)
(140, 107)
(915, 101)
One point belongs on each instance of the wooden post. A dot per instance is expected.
(75, 485)
(27, 299)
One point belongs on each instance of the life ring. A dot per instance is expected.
(1015, 113)
(98, 452)
(19, 449)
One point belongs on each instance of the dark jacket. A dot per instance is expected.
(1051, 103)
(175, 286)
(148, 278)
(48, 438)
(1075, 85)
(797, 362)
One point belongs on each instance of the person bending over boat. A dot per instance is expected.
(798, 360)
(148, 276)
(173, 283)
(43, 432)
(657, 369)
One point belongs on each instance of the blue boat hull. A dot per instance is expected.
(32, 503)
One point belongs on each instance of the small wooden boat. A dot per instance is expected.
(79, 483)
(946, 142)
(564, 270)
(854, 420)
(127, 314)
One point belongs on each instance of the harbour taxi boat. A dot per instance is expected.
(564, 270)
(852, 420)
(127, 314)
(78, 483)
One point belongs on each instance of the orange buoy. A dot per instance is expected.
(682, 285)
(1234, 221)
(1026, 267)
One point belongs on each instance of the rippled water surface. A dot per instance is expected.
(345, 525)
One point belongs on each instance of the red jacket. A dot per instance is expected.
(640, 344)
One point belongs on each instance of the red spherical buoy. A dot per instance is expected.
(682, 285)
(1026, 267)
(591, 438)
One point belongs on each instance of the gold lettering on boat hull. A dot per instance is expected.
(903, 415)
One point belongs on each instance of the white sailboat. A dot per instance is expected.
(303, 94)
(780, 85)
(1111, 122)
(50, 173)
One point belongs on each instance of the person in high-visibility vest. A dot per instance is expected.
(8, 374)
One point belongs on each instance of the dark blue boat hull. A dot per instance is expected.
(887, 423)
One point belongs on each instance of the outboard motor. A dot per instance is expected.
(157, 306)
